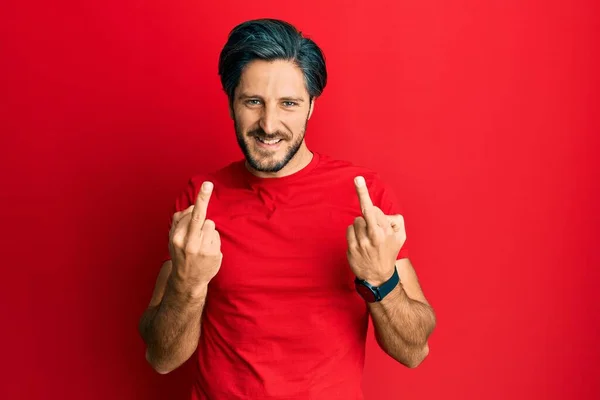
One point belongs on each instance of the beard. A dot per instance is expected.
(267, 161)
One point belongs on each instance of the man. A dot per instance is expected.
(276, 262)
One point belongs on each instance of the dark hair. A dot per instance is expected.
(271, 39)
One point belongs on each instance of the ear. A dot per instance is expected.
(312, 107)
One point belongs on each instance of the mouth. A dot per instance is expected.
(268, 144)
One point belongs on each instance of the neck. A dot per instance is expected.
(300, 160)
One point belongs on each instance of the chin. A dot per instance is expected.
(266, 163)
(268, 160)
(264, 160)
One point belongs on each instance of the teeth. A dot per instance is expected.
(270, 141)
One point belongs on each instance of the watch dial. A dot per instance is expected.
(365, 293)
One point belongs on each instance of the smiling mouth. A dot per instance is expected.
(269, 142)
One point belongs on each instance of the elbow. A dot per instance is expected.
(416, 357)
(160, 367)
(165, 361)
(409, 355)
(162, 371)
(421, 351)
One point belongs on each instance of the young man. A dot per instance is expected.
(276, 261)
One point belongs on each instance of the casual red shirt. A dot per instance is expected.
(282, 318)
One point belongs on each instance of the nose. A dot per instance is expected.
(268, 120)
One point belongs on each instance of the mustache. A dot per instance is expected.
(259, 132)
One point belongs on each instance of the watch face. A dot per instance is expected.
(365, 293)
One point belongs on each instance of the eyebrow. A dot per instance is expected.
(244, 96)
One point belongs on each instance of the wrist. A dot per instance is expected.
(375, 290)
(394, 296)
(376, 281)
(190, 292)
(379, 279)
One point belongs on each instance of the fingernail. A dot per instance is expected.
(359, 180)
(207, 186)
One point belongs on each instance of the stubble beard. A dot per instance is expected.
(267, 165)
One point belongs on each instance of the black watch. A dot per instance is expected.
(372, 293)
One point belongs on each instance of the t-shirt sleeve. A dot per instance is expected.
(385, 198)
(185, 199)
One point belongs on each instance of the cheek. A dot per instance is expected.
(245, 121)
(296, 122)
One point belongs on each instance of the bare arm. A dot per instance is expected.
(171, 324)
(403, 320)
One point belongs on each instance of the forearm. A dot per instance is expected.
(171, 330)
(402, 326)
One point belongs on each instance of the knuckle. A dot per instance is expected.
(191, 247)
(178, 241)
(196, 217)
(364, 242)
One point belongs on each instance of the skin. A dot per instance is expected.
(271, 101)
(403, 320)
(170, 326)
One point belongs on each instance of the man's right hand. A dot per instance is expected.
(195, 246)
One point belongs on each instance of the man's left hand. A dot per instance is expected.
(374, 239)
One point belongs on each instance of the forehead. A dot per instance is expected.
(279, 78)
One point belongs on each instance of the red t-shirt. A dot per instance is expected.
(282, 318)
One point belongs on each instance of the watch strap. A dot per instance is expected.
(389, 285)
(377, 293)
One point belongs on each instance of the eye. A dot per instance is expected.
(290, 103)
(253, 102)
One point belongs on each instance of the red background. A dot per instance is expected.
(483, 115)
